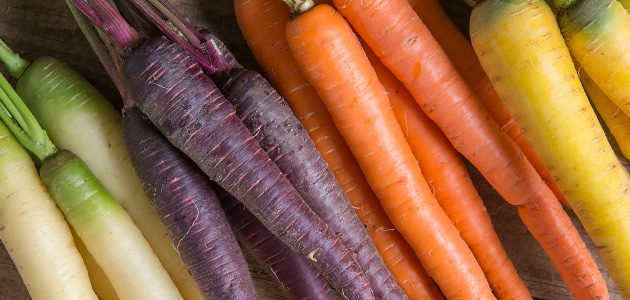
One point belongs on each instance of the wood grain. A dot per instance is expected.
(45, 27)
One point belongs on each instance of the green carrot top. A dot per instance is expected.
(12, 60)
(23, 124)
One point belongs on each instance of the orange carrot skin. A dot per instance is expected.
(417, 60)
(263, 24)
(332, 59)
(406, 47)
(446, 173)
(461, 53)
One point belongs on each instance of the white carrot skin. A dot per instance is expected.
(100, 283)
(78, 118)
(521, 48)
(34, 231)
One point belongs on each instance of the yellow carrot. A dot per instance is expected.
(522, 51)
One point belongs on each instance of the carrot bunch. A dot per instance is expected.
(404, 130)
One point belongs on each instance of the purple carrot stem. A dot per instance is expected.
(183, 26)
(160, 23)
(181, 17)
(108, 20)
(105, 54)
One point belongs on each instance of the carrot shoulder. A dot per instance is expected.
(446, 173)
(332, 59)
(263, 24)
(463, 56)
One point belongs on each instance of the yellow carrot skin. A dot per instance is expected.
(34, 231)
(62, 101)
(597, 33)
(521, 48)
(617, 122)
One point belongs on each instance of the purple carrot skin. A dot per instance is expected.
(185, 105)
(296, 277)
(271, 121)
(190, 210)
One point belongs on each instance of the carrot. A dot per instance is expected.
(463, 56)
(597, 34)
(190, 210)
(331, 58)
(166, 81)
(294, 275)
(407, 48)
(172, 90)
(446, 173)
(617, 122)
(521, 47)
(280, 134)
(263, 24)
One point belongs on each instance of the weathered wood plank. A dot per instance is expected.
(43, 27)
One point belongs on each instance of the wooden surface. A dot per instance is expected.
(45, 27)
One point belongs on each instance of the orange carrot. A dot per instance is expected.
(461, 53)
(407, 48)
(263, 24)
(446, 173)
(404, 44)
(331, 58)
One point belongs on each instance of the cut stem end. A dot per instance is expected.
(12, 60)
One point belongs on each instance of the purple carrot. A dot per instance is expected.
(272, 122)
(190, 210)
(171, 89)
(293, 273)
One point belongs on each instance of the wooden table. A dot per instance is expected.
(45, 27)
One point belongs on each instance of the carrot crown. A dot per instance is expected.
(298, 7)
(562, 4)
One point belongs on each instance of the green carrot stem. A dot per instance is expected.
(23, 124)
(12, 60)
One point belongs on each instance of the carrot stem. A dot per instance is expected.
(146, 10)
(22, 123)
(107, 19)
(12, 60)
(187, 30)
(110, 61)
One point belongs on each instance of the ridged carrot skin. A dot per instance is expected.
(172, 90)
(521, 48)
(597, 34)
(272, 52)
(616, 120)
(189, 209)
(408, 49)
(63, 101)
(446, 173)
(281, 135)
(327, 51)
(34, 231)
(463, 56)
(294, 275)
